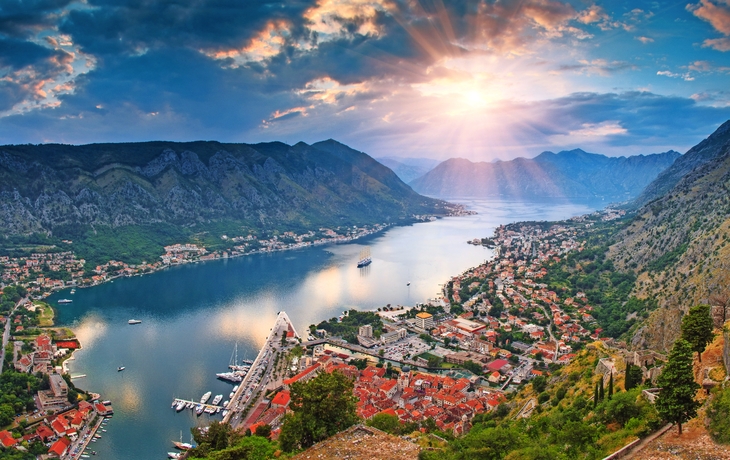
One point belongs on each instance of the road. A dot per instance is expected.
(6, 333)
(258, 379)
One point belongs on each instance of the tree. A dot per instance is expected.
(263, 430)
(473, 367)
(610, 386)
(676, 402)
(320, 408)
(697, 328)
(634, 376)
(600, 390)
(385, 422)
(539, 384)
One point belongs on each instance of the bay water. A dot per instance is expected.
(193, 315)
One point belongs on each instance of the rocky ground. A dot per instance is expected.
(361, 442)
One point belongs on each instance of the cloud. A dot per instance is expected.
(23, 19)
(684, 76)
(645, 40)
(718, 15)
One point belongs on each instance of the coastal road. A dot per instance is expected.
(254, 384)
(6, 333)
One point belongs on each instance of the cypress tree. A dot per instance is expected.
(600, 390)
(676, 402)
(610, 386)
(595, 396)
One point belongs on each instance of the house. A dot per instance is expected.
(281, 399)
(6, 439)
(60, 447)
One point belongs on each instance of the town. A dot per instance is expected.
(495, 328)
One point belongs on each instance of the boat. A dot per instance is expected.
(230, 376)
(182, 445)
(225, 412)
(247, 361)
(235, 388)
(210, 410)
(73, 291)
(173, 455)
(134, 321)
(120, 368)
(205, 398)
(65, 301)
(365, 259)
(408, 283)
(217, 399)
(174, 403)
(225, 403)
(180, 405)
(199, 410)
(230, 396)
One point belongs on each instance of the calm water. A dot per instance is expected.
(194, 314)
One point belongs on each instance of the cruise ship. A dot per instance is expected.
(365, 259)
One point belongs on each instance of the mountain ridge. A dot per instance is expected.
(47, 187)
(566, 174)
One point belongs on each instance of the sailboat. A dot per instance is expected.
(237, 371)
(365, 259)
(183, 445)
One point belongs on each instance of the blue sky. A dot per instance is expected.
(475, 79)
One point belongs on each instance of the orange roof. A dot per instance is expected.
(389, 411)
(6, 439)
(301, 374)
(59, 447)
(281, 399)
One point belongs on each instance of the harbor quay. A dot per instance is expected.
(259, 378)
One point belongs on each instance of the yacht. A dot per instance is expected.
(120, 368)
(217, 399)
(65, 301)
(180, 405)
(134, 321)
(205, 398)
(365, 259)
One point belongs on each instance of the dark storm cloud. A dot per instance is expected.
(642, 114)
(132, 26)
(21, 18)
(16, 54)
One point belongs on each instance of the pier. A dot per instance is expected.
(196, 404)
(256, 381)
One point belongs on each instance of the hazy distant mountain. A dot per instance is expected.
(409, 168)
(67, 189)
(569, 174)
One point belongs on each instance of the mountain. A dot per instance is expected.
(678, 244)
(63, 188)
(408, 168)
(568, 174)
(705, 151)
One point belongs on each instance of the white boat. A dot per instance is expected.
(65, 301)
(225, 412)
(173, 455)
(235, 388)
(217, 399)
(134, 321)
(199, 410)
(180, 405)
(205, 398)
(73, 291)
(120, 368)
(225, 403)
(230, 376)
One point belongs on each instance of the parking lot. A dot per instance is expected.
(405, 349)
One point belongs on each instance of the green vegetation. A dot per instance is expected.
(719, 413)
(221, 443)
(349, 327)
(9, 297)
(676, 402)
(697, 328)
(16, 394)
(667, 259)
(321, 407)
(607, 290)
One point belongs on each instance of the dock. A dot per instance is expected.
(197, 403)
(257, 379)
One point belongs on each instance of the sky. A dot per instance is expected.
(437, 79)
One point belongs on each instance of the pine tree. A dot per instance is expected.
(610, 386)
(697, 328)
(676, 402)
